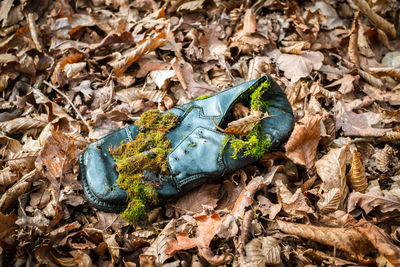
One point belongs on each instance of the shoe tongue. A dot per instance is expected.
(218, 105)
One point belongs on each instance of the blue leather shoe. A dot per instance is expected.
(199, 149)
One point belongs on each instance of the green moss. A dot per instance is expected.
(149, 152)
(256, 102)
(256, 142)
(254, 145)
(203, 97)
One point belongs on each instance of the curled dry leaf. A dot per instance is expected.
(156, 96)
(357, 178)
(112, 245)
(332, 170)
(375, 19)
(381, 241)
(7, 224)
(263, 251)
(346, 84)
(346, 239)
(7, 177)
(390, 136)
(374, 200)
(357, 124)
(209, 256)
(382, 158)
(386, 71)
(353, 49)
(245, 198)
(122, 63)
(59, 156)
(294, 204)
(23, 124)
(371, 79)
(159, 246)
(302, 145)
(207, 228)
(194, 200)
(244, 125)
(11, 195)
(299, 66)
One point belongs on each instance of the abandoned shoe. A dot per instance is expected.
(167, 154)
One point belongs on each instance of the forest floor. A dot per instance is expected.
(73, 71)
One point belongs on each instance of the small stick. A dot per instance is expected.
(70, 102)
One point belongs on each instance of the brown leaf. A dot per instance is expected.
(19, 188)
(375, 19)
(299, 66)
(59, 156)
(295, 47)
(263, 251)
(386, 71)
(122, 63)
(357, 124)
(346, 84)
(332, 170)
(244, 125)
(209, 256)
(374, 200)
(357, 178)
(193, 201)
(294, 204)
(245, 198)
(381, 241)
(7, 225)
(190, 80)
(301, 147)
(23, 124)
(159, 246)
(7, 177)
(352, 50)
(346, 239)
(207, 228)
(383, 157)
(113, 246)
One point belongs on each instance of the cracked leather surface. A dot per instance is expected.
(199, 150)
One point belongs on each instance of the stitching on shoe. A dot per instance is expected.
(128, 134)
(181, 182)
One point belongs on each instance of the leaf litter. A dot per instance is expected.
(73, 72)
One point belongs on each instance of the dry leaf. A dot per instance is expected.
(382, 158)
(381, 241)
(299, 66)
(122, 63)
(346, 239)
(159, 246)
(374, 200)
(11, 195)
(346, 84)
(194, 200)
(113, 246)
(302, 145)
(245, 198)
(7, 225)
(332, 170)
(218, 260)
(207, 228)
(357, 124)
(294, 204)
(263, 251)
(375, 19)
(59, 156)
(353, 51)
(357, 178)
(23, 124)
(7, 177)
(244, 125)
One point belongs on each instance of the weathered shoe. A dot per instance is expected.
(199, 149)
